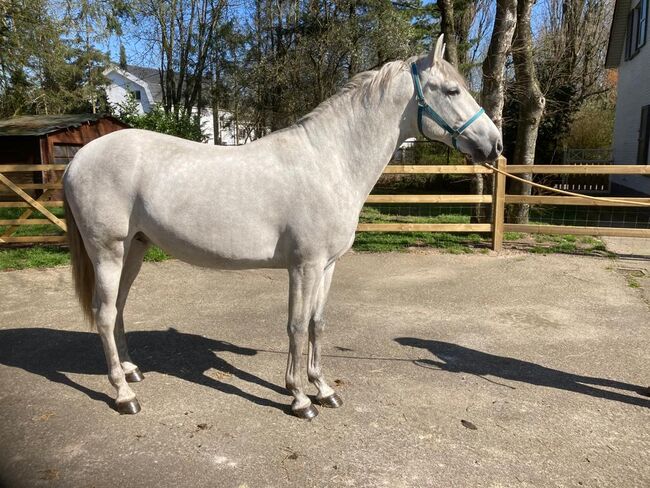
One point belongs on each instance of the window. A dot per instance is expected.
(637, 27)
(643, 156)
(137, 94)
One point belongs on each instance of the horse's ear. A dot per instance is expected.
(438, 51)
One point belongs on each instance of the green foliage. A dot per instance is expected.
(157, 120)
(49, 60)
(593, 125)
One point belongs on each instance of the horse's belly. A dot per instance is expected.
(224, 245)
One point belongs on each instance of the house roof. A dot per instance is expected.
(38, 125)
(617, 34)
(151, 76)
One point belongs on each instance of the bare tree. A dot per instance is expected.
(531, 103)
(494, 83)
(183, 32)
(493, 89)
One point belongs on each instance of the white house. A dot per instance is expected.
(629, 51)
(144, 83)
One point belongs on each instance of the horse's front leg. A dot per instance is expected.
(304, 281)
(326, 395)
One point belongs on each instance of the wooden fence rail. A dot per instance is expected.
(42, 197)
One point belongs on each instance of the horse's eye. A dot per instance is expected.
(453, 90)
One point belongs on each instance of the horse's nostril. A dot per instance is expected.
(499, 146)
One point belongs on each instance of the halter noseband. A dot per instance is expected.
(425, 109)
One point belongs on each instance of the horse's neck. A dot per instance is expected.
(362, 133)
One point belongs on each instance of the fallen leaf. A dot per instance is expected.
(468, 425)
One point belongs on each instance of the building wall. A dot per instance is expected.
(118, 90)
(227, 128)
(633, 93)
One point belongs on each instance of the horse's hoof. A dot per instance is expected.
(332, 401)
(307, 413)
(129, 408)
(134, 376)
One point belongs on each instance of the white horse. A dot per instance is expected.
(289, 200)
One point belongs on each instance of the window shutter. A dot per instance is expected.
(644, 136)
(643, 23)
(629, 47)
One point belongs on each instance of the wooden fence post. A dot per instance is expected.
(498, 205)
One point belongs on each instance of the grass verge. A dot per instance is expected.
(50, 256)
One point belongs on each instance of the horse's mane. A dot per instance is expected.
(373, 83)
(367, 83)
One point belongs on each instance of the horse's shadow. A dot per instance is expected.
(458, 359)
(53, 353)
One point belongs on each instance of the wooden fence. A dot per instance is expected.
(32, 197)
(499, 198)
(42, 199)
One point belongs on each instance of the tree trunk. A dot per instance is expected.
(531, 104)
(493, 90)
(447, 27)
(492, 94)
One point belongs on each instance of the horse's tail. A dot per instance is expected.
(83, 272)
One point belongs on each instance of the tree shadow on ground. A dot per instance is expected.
(458, 359)
(53, 353)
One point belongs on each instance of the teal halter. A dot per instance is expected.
(425, 109)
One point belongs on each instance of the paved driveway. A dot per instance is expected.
(456, 371)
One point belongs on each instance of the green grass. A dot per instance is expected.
(402, 241)
(50, 256)
(632, 283)
(32, 230)
(33, 257)
(568, 244)
(371, 215)
(156, 255)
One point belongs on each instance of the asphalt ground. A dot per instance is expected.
(455, 371)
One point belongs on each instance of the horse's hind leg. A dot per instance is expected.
(304, 281)
(108, 270)
(132, 265)
(326, 395)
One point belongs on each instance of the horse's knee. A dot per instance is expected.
(297, 329)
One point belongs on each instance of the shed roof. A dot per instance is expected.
(38, 125)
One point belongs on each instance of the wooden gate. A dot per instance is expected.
(22, 214)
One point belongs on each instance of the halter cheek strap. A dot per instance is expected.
(425, 109)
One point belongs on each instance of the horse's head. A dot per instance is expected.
(447, 112)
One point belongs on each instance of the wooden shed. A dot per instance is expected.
(48, 139)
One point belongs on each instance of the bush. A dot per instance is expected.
(157, 120)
